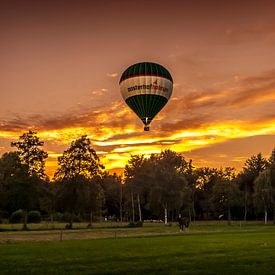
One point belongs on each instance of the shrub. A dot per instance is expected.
(34, 217)
(17, 216)
(3, 214)
(66, 217)
(135, 224)
(58, 216)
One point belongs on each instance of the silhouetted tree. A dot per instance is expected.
(21, 189)
(168, 183)
(112, 186)
(31, 155)
(271, 159)
(79, 159)
(135, 178)
(264, 195)
(48, 198)
(252, 168)
(225, 192)
(206, 178)
(95, 197)
(76, 168)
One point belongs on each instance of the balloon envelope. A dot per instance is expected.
(146, 87)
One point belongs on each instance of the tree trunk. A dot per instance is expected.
(189, 213)
(229, 216)
(133, 207)
(120, 203)
(265, 216)
(25, 220)
(91, 217)
(71, 221)
(51, 217)
(245, 202)
(193, 206)
(139, 208)
(165, 215)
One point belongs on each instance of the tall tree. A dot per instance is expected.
(168, 184)
(48, 198)
(135, 180)
(191, 177)
(264, 195)
(30, 153)
(95, 197)
(10, 168)
(252, 168)
(225, 193)
(206, 179)
(271, 159)
(78, 165)
(79, 159)
(21, 189)
(112, 186)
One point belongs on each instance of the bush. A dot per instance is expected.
(135, 224)
(58, 216)
(66, 217)
(34, 217)
(3, 214)
(17, 216)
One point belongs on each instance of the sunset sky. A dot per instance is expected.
(60, 64)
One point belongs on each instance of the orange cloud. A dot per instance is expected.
(191, 122)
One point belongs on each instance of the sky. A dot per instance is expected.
(61, 61)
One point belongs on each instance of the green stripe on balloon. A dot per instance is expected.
(146, 106)
(145, 69)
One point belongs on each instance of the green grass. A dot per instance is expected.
(206, 249)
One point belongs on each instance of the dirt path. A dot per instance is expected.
(82, 234)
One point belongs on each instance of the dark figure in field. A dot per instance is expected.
(183, 222)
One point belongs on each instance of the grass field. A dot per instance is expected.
(207, 248)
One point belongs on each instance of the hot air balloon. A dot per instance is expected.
(146, 87)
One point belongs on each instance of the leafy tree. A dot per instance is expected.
(79, 159)
(113, 194)
(252, 168)
(271, 159)
(72, 197)
(206, 178)
(191, 178)
(48, 198)
(78, 165)
(168, 183)
(95, 197)
(10, 166)
(225, 193)
(30, 154)
(135, 179)
(264, 196)
(21, 189)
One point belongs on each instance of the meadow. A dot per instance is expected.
(206, 248)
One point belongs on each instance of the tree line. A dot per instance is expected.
(158, 187)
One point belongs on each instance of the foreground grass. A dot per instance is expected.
(199, 252)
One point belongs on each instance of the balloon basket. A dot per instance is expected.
(146, 128)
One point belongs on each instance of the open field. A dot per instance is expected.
(207, 248)
(56, 232)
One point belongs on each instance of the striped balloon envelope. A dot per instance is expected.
(146, 87)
